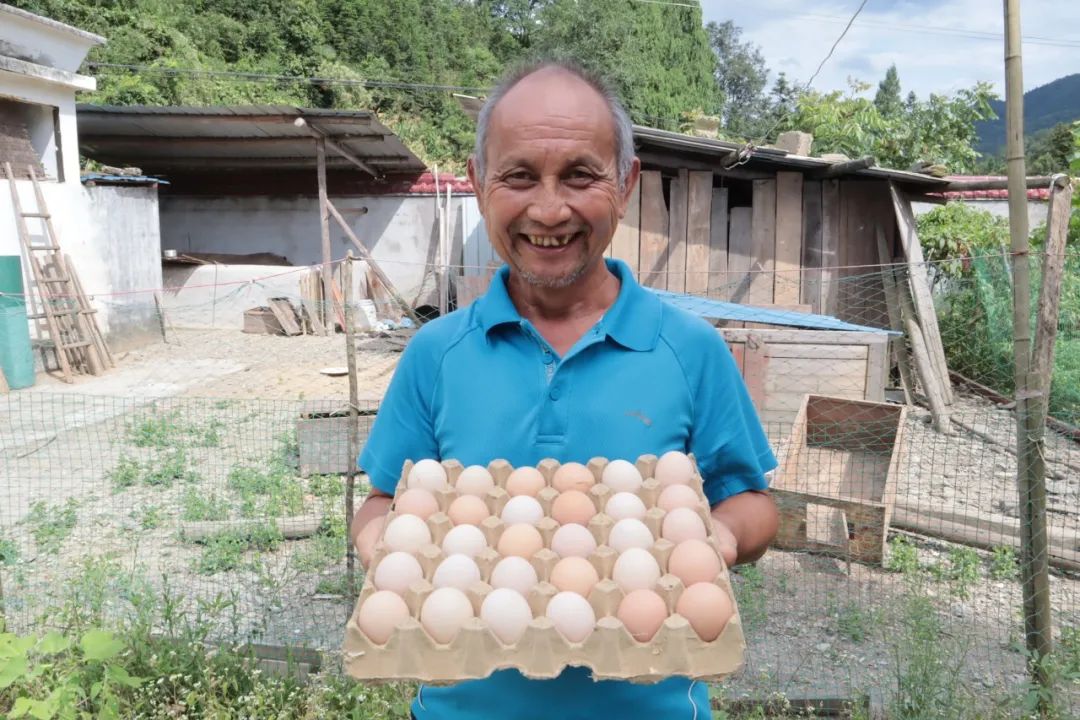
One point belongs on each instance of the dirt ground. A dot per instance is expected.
(816, 626)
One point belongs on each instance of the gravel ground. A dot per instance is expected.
(815, 626)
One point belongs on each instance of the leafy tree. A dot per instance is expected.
(1049, 152)
(887, 100)
(741, 76)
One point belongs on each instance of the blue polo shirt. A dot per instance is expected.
(481, 383)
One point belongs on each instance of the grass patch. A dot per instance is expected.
(749, 584)
(855, 621)
(9, 551)
(51, 525)
(171, 468)
(170, 430)
(273, 492)
(1003, 564)
(903, 556)
(149, 517)
(325, 548)
(125, 473)
(197, 505)
(227, 549)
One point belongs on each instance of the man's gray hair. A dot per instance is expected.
(624, 129)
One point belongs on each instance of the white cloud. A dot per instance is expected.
(794, 37)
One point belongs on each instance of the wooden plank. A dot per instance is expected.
(698, 219)
(286, 315)
(718, 245)
(738, 351)
(654, 229)
(677, 225)
(756, 369)
(818, 352)
(625, 245)
(892, 304)
(789, 231)
(810, 286)
(877, 369)
(1046, 325)
(740, 254)
(324, 227)
(830, 245)
(763, 229)
(920, 290)
(923, 364)
(822, 337)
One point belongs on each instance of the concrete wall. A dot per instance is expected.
(46, 97)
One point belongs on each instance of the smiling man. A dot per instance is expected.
(567, 357)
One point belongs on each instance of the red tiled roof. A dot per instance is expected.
(1033, 194)
(425, 184)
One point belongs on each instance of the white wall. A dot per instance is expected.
(33, 90)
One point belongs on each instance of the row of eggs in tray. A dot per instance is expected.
(636, 571)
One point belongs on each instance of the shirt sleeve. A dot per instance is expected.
(403, 428)
(728, 441)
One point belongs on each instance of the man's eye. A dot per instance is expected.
(580, 177)
(518, 177)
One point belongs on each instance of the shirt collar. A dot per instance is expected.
(633, 321)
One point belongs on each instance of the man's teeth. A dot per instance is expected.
(549, 240)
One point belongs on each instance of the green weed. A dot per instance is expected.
(856, 622)
(903, 556)
(749, 585)
(168, 431)
(226, 550)
(125, 473)
(51, 525)
(327, 486)
(9, 551)
(172, 467)
(1003, 564)
(964, 570)
(197, 505)
(273, 492)
(326, 548)
(149, 517)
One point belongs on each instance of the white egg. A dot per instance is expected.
(514, 573)
(396, 572)
(635, 569)
(624, 505)
(427, 474)
(572, 616)
(522, 509)
(630, 533)
(507, 613)
(621, 476)
(465, 540)
(474, 480)
(573, 540)
(674, 468)
(406, 533)
(458, 571)
(444, 612)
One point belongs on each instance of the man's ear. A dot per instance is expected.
(474, 179)
(631, 184)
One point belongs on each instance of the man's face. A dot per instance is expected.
(550, 196)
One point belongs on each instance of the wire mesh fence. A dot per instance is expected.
(895, 575)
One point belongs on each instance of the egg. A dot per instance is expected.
(522, 509)
(406, 533)
(573, 540)
(457, 571)
(380, 614)
(573, 506)
(707, 608)
(572, 616)
(694, 561)
(574, 574)
(467, 510)
(521, 540)
(464, 540)
(635, 569)
(525, 481)
(444, 612)
(428, 475)
(675, 496)
(621, 476)
(572, 476)
(624, 505)
(507, 613)
(416, 501)
(514, 573)
(630, 533)
(642, 612)
(674, 468)
(396, 572)
(683, 524)
(474, 480)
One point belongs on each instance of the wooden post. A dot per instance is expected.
(1031, 483)
(324, 223)
(354, 424)
(892, 303)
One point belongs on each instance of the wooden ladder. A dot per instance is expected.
(68, 319)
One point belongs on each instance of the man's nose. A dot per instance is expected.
(548, 206)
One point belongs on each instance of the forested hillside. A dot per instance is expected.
(405, 58)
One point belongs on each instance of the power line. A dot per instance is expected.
(833, 48)
(941, 30)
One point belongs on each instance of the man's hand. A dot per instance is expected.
(366, 539)
(367, 525)
(729, 544)
(745, 525)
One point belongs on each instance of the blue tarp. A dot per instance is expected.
(719, 310)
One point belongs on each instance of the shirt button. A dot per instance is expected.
(554, 393)
(548, 358)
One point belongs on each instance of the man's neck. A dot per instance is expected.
(592, 294)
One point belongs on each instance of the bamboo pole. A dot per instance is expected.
(354, 425)
(324, 223)
(1031, 481)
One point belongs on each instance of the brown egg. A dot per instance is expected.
(694, 561)
(674, 468)
(417, 501)
(683, 524)
(525, 481)
(707, 608)
(642, 612)
(574, 574)
(522, 540)
(573, 506)
(572, 476)
(674, 496)
(380, 614)
(468, 510)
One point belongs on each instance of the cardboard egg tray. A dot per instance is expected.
(610, 652)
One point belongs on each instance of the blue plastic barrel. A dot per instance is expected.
(16, 352)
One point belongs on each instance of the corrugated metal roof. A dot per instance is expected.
(164, 139)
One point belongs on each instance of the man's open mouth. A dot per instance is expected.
(552, 241)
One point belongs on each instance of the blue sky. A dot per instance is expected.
(937, 45)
